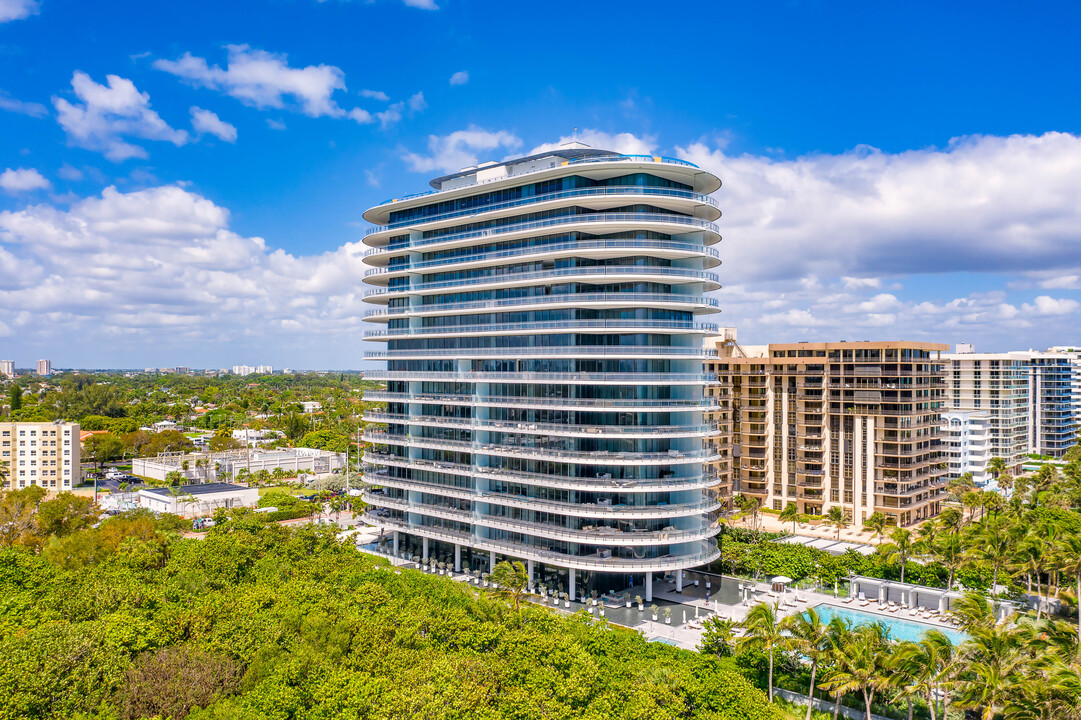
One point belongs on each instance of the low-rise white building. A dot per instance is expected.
(229, 464)
(967, 445)
(198, 500)
(7, 368)
(243, 370)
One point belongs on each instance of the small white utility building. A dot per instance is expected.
(198, 500)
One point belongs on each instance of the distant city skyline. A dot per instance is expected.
(889, 172)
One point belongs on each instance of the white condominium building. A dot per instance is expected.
(7, 368)
(243, 370)
(966, 444)
(544, 344)
(265, 370)
(996, 384)
(45, 368)
(1054, 411)
(40, 453)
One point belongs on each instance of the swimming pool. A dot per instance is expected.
(900, 628)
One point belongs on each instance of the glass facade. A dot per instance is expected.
(544, 349)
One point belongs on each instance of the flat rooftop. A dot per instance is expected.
(203, 489)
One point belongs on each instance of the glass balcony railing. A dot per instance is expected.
(598, 483)
(578, 351)
(608, 271)
(537, 377)
(574, 299)
(561, 326)
(589, 192)
(595, 457)
(633, 218)
(534, 427)
(598, 510)
(547, 250)
(617, 404)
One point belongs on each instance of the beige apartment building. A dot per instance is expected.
(854, 424)
(40, 453)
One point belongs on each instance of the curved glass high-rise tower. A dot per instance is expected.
(543, 322)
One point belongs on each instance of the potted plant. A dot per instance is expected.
(628, 599)
(590, 609)
(476, 577)
(668, 616)
(593, 597)
(442, 567)
(484, 577)
(653, 611)
(641, 606)
(566, 600)
(416, 561)
(602, 610)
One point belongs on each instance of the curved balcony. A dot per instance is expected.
(616, 192)
(596, 457)
(666, 223)
(579, 352)
(693, 303)
(527, 378)
(601, 535)
(703, 552)
(563, 429)
(674, 405)
(609, 272)
(594, 484)
(607, 247)
(559, 327)
(609, 511)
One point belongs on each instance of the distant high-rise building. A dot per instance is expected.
(45, 368)
(243, 370)
(967, 444)
(7, 368)
(1054, 382)
(265, 370)
(45, 454)
(848, 424)
(996, 384)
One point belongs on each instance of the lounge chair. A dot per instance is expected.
(847, 600)
(800, 598)
(864, 602)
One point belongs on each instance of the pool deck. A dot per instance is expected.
(690, 607)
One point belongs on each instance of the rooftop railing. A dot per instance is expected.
(578, 351)
(606, 191)
(621, 324)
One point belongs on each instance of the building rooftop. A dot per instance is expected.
(204, 489)
(564, 153)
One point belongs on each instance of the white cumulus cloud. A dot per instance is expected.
(625, 143)
(460, 148)
(264, 79)
(17, 9)
(459, 78)
(23, 180)
(205, 121)
(375, 95)
(105, 115)
(22, 107)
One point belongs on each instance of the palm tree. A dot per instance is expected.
(997, 466)
(513, 581)
(973, 610)
(877, 524)
(3, 472)
(1029, 560)
(810, 637)
(864, 668)
(840, 637)
(922, 665)
(836, 517)
(993, 662)
(949, 550)
(900, 549)
(991, 546)
(763, 632)
(1069, 563)
(790, 514)
(749, 507)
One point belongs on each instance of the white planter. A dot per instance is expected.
(602, 612)
(594, 602)
(668, 621)
(567, 603)
(641, 608)
(628, 604)
(590, 610)
(654, 618)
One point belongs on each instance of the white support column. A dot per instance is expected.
(424, 549)
(457, 557)
(395, 543)
(942, 604)
(869, 477)
(529, 569)
(570, 584)
(649, 587)
(491, 561)
(679, 581)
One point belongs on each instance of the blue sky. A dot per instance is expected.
(184, 184)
